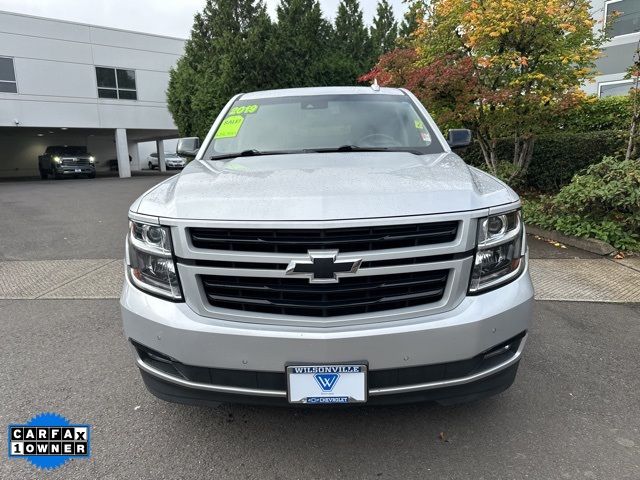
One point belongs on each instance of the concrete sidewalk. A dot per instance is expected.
(574, 279)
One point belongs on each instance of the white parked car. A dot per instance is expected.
(172, 161)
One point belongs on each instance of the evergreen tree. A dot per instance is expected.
(351, 35)
(351, 45)
(228, 52)
(411, 19)
(384, 32)
(301, 45)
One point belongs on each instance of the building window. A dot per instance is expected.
(614, 89)
(7, 76)
(116, 83)
(623, 17)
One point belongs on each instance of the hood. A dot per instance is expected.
(324, 186)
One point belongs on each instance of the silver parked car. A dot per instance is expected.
(327, 246)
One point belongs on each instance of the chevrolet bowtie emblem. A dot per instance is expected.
(323, 266)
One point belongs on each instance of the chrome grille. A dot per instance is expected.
(294, 296)
(344, 239)
(71, 162)
(240, 271)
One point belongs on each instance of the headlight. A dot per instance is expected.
(150, 260)
(57, 159)
(500, 254)
(92, 159)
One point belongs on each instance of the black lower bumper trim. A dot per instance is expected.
(473, 391)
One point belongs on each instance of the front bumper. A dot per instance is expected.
(75, 170)
(476, 325)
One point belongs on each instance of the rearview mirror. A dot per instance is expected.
(188, 147)
(459, 137)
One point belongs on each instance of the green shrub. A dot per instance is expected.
(597, 114)
(602, 203)
(556, 158)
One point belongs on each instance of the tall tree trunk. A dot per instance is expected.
(516, 147)
(632, 136)
(635, 117)
(525, 154)
(488, 147)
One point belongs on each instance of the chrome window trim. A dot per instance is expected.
(372, 391)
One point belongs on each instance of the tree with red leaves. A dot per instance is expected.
(500, 67)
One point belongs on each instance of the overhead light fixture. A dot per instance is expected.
(41, 134)
(63, 128)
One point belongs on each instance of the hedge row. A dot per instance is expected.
(598, 114)
(557, 158)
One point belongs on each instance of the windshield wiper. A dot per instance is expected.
(348, 148)
(356, 148)
(252, 153)
(244, 153)
(343, 148)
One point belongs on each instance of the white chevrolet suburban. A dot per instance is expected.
(326, 246)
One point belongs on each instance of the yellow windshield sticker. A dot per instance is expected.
(229, 127)
(419, 124)
(243, 109)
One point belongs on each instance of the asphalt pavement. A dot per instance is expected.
(67, 219)
(573, 412)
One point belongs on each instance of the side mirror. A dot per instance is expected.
(188, 147)
(459, 137)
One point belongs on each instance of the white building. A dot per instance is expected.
(65, 83)
(623, 18)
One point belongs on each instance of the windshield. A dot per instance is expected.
(67, 150)
(323, 122)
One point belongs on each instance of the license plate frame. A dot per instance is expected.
(350, 386)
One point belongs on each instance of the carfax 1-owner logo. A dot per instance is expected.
(49, 440)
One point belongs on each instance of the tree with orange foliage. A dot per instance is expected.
(501, 67)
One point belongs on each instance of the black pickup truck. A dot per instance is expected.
(63, 161)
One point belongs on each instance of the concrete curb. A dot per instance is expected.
(589, 244)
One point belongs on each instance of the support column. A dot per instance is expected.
(122, 153)
(161, 162)
(135, 156)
